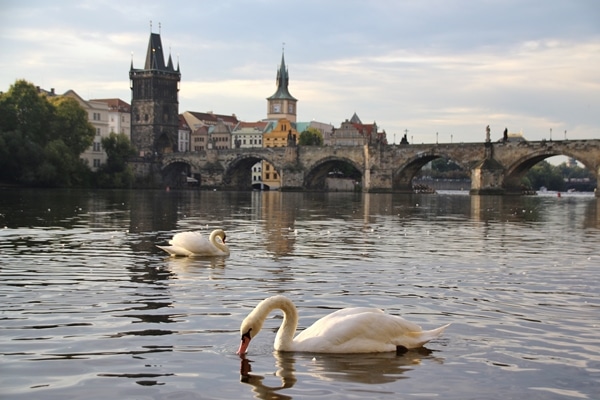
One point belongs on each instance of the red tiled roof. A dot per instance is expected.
(183, 124)
(115, 105)
(230, 119)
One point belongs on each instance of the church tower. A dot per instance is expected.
(282, 104)
(154, 102)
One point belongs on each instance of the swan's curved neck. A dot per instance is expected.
(218, 243)
(285, 335)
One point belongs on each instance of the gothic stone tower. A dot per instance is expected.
(154, 102)
(282, 104)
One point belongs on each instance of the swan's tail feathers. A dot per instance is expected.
(174, 250)
(425, 336)
(165, 248)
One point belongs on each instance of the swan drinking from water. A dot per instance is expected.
(349, 330)
(195, 244)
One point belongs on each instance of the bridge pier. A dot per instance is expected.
(487, 178)
(292, 180)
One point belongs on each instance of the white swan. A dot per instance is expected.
(195, 244)
(350, 330)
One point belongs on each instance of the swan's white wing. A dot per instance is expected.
(193, 242)
(359, 330)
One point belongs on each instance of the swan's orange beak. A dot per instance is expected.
(244, 345)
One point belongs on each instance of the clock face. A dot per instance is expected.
(276, 108)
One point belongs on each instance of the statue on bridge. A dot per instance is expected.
(487, 134)
(291, 139)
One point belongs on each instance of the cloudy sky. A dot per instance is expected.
(441, 69)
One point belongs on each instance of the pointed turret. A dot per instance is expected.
(282, 83)
(282, 104)
(155, 58)
(170, 64)
(355, 119)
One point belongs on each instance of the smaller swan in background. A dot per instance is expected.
(189, 244)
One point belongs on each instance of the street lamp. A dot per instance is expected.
(451, 137)
(436, 138)
(550, 134)
(565, 134)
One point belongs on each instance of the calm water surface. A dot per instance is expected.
(90, 308)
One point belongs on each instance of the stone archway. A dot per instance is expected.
(334, 174)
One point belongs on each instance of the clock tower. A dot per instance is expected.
(282, 104)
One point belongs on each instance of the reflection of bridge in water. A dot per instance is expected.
(495, 168)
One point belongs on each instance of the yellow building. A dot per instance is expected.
(282, 134)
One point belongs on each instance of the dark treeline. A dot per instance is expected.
(42, 138)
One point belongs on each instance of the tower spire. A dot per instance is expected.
(282, 103)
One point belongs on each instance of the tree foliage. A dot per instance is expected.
(559, 177)
(442, 168)
(116, 173)
(311, 137)
(42, 138)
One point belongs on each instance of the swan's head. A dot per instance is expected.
(220, 233)
(249, 329)
(253, 323)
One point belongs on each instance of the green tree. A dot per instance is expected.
(442, 168)
(24, 110)
(116, 173)
(555, 177)
(71, 125)
(311, 137)
(544, 174)
(41, 138)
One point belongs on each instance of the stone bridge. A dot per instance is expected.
(495, 167)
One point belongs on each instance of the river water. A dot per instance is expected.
(91, 309)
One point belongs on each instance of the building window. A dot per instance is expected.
(96, 162)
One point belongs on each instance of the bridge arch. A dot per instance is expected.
(315, 178)
(175, 173)
(519, 168)
(238, 172)
(404, 175)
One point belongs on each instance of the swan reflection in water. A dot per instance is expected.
(194, 267)
(371, 368)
